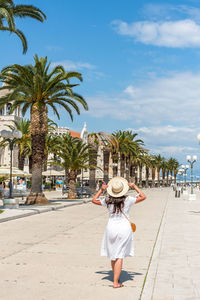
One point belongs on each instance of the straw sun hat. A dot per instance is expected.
(117, 187)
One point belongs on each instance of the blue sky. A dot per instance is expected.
(140, 62)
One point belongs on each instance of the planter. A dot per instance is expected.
(10, 203)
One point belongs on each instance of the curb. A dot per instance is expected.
(38, 211)
(149, 280)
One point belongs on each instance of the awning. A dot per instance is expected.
(5, 171)
(53, 173)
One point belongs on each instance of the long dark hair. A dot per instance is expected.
(118, 203)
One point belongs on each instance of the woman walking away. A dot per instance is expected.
(118, 237)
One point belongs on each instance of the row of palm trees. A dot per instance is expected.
(123, 150)
(120, 150)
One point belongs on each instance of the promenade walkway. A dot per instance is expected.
(55, 255)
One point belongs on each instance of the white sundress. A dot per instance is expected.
(118, 237)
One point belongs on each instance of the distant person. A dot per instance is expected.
(118, 237)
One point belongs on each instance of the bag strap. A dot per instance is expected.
(126, 216)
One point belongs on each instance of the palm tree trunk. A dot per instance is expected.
(122, 164)
(30, 164)
(147, 177)
(167, 178)
(66, 176)
(38, 133)
(72, 185)
(92, 173)
(153, 177)
(21, 158)
(140, 176)
(163, 177)
(132, 178)
(45, 160)
(127, 169)
(175, 177)
(106, 158)
(158, 170)
(136, 174)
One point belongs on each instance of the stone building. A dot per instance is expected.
(6, 118)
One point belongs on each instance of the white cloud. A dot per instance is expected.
(169, 100)
(181, 33)
(158, 11)
(70, 65)
(163, 111)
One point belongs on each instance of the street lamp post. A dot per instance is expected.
(11, 137)
(81, 183)
(191, 161)
(185, 168)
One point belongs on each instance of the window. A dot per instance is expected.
(8, 108)
(2, 111)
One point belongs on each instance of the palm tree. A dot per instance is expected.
(74, 155)
(164, 168)
(9, 11)
(158, 160)
(93, 151)
(147, 163)
(127, 146)
(173, 165)
(23, 143)
(107, 143)
(176, 166)
(153, 169)
(37, 89)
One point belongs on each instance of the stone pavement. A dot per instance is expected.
(174, 272)
(57, 201)
(56, 255)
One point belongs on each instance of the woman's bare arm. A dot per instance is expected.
(141, 196)
(98, 194)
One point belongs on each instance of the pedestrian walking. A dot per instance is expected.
(118, 237)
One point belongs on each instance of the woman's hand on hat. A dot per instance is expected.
(104, 187)
(131, 185)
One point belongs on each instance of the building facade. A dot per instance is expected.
(6, 119)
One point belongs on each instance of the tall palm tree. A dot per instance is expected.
(23, 143)
(147, 163)
(107, 143)
(127, 146)
(93, 151)
(37, 89)
(9, 12)
(164, 168)
(176, 166)
(74, 156)
(158, 160)
(173, 165)
(153, 169)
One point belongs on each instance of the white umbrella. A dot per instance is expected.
(53, 173)
(4, 171)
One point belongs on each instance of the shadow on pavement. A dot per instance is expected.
(194, 212)
(64, 200)
(125, 275)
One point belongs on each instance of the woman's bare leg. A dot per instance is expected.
(112, 265)
(117, 267)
